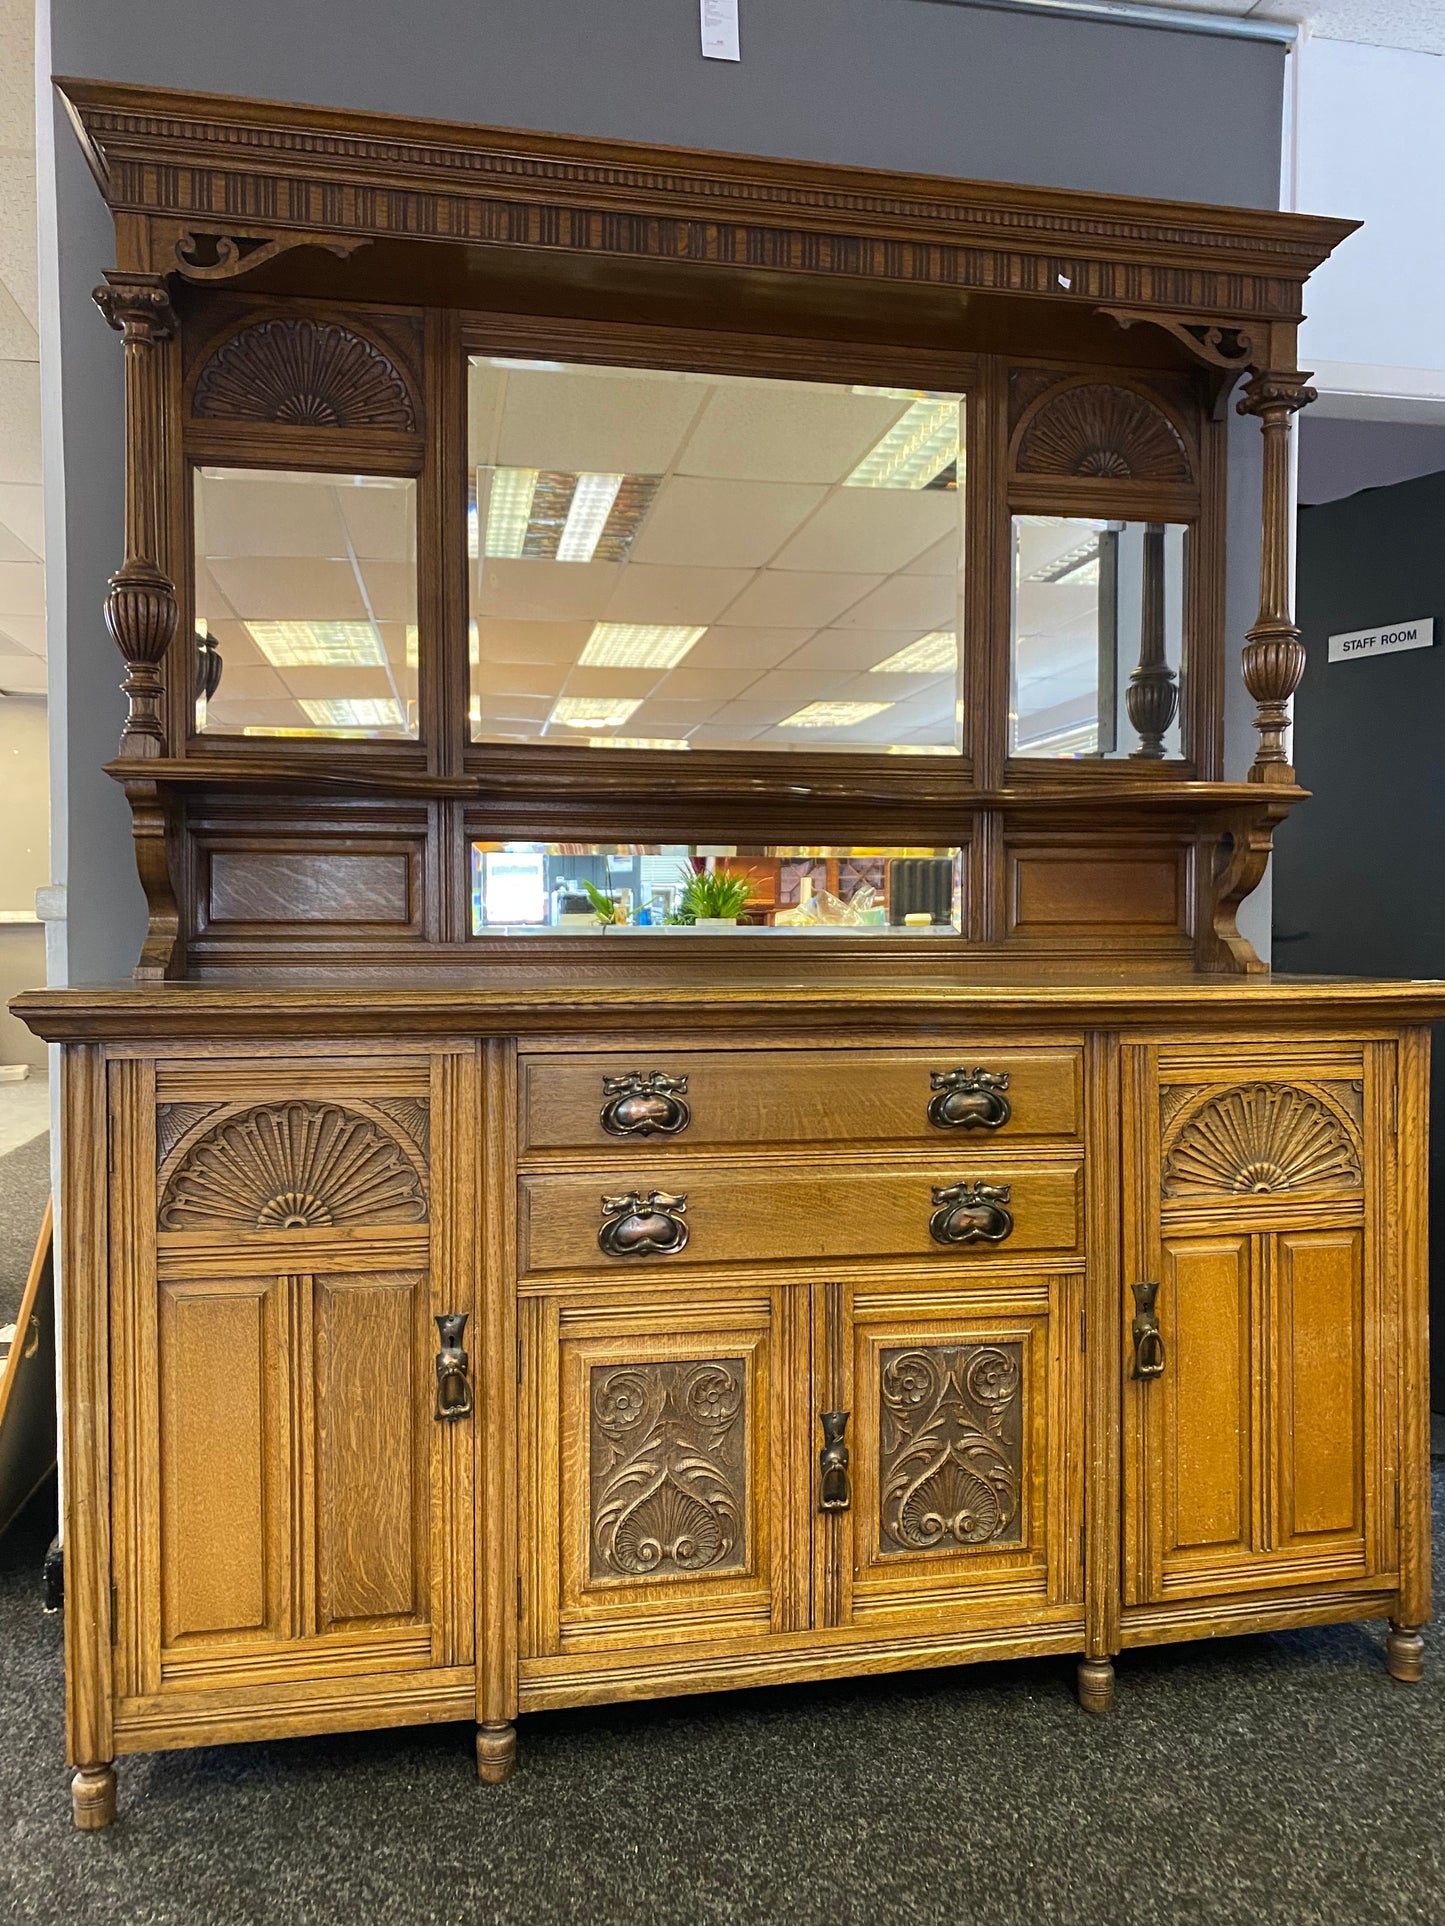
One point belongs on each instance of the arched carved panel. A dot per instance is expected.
(293, 1166)
(1100, 431)
(950, 1450)
(668, 1469)
(303, 373)
(1258, 1138)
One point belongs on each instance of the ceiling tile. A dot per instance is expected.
(546, 591)
(786, 431)
(281, 589)
(656, 593)
(851, 649)
(22, 509)
(722, 524)
(700, 685)
(724, 648)
(22, 588)
(917, 602)
(594, 419)
(502, 641)
(787, 598)
(20, 412)
(878, 529)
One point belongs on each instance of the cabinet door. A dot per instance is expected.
(964, 1440)
(289, 1508)
(668, 1498)
(1256, 1459)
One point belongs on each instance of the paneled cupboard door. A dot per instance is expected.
(1259, 1439)
(290, 1506)
(668, 1492)
(964, 1430)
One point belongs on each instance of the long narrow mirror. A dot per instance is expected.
(688, 561)
(1097, 660)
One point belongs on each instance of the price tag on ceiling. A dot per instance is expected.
(720, 29)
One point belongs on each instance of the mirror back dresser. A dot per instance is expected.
(694, 1111)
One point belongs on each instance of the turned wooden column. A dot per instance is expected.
(1274, 657)
(1153, 692)
(140, 602)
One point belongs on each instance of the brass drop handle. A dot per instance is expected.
(835, 1489)
(968, 1099)
(971, 1213)
(645, 1104)
(454, 1380)
(643, 1225)
(1148, 1344)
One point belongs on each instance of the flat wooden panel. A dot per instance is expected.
(817, 1097)
(743, 1214)
(213, 1422)
(368, 1536)
(279, 886)
(1319, 1367)
(1053, 893)
(1207, 1396)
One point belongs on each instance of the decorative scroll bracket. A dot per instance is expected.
(203, 254)
(140, 606)
(1273, 658)
(1225, 348)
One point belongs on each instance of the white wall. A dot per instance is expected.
(1369, 142)
(24, 865)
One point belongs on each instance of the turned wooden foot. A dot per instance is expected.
(1096, 1684)
(92, 1797)
(1405, 1653)
(496, 1753)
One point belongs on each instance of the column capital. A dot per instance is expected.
(1279, 394)
(137, 305)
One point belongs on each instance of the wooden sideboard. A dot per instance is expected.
(285, 1516)
(495, 1280)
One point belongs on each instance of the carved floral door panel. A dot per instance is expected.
(1257, 1457)
(668, 1492)
(288, 1506)
(964, 1436)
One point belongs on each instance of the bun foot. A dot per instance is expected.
(496, 1753)
(1405, 1653)
(92, 1797)
(1096, 1684)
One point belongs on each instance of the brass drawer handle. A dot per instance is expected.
(971, 1213)
(1148, 1344)
(969, 1099)
(635, 1225)
(645, 1105)
(454, 1382)
(835, 1489)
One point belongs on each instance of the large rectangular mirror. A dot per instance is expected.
(1097, 659)
(306, 594)
(687, 561)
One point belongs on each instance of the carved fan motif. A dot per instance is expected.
(668, 1468)
(1112, 434)
(1261, 1137)
(293, 1166)
(305, 374)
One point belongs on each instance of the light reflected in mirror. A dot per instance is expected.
(688, 561)
(306, 591)
(1097, 660)
(681, 889)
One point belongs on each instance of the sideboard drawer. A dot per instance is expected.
(643, 1219)
(704, 1097)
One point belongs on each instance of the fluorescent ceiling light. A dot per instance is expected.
(356, 712)
(624, 645)
(594, 712)
(638, 742)
(318, 645)
(509, 509)
(930, 654)
(592, 501)
(920, 749)
(832, 715)
(918, 447)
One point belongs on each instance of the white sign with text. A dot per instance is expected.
(1390, 640)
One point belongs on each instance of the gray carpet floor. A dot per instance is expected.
(24, 1187)
(1281, 1781)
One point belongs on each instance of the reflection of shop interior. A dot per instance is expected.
(517, 887)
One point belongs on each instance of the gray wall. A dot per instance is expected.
(1339, 457)
(1359, 869)
(890, 83)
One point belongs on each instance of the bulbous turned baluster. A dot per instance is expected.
(141, 612)
(1152, 696)
(1273, 658)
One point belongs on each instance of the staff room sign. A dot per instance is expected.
(1387, 641)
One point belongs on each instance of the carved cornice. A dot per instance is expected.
(205, 162)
